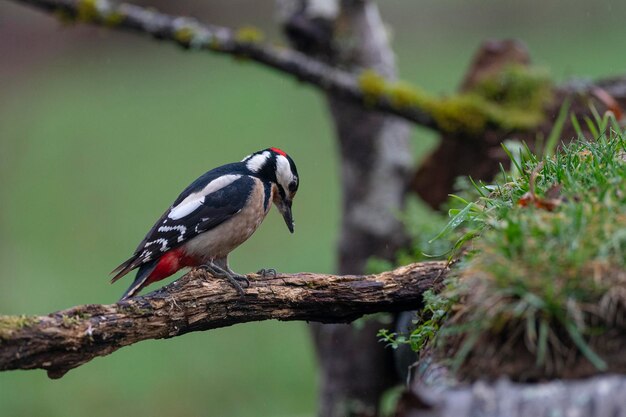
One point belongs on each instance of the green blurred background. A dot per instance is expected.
(99, 131)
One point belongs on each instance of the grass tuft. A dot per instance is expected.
(550, 261)
(542, 292)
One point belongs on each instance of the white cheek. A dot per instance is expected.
(283, 172)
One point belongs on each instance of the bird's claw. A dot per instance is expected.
(267, 272)
(234, 279)
(206, 268)
(242, 278)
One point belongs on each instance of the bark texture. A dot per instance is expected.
(69, 338)
(375, 169)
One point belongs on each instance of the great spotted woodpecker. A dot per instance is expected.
(212, 216)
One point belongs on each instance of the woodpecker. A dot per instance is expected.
(215, 214)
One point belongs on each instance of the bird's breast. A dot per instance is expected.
(221, 240)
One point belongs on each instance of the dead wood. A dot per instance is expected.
(69, 338)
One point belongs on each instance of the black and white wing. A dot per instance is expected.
(198, 209)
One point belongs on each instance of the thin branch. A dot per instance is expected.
(191, 34)
(69, 338)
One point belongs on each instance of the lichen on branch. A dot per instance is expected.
(66, 339)
(514, 101)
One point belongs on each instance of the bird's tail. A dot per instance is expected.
(124, 268)
(141, 279)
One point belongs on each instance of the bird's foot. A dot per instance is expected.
(267, 272)
(234, 279)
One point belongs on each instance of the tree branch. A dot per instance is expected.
(191, 34)
(69, 338)
(354, 368)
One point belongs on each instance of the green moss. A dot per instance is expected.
(462, 113)
(10, 324)
(473, 112)
(511, 100)
(402, 94)
(114, 18)
(184, 35)
(214, 44)
(87, 11)
(373, 86)
(468, 113)
(515, 98)
(90, 11)
(519, 86)
(132, 309)
(70, 321)
(249, 34)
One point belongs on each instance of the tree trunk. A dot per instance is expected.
(375, 169)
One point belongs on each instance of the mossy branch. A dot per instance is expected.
(466, 114)
(69, 338)
(191, 34)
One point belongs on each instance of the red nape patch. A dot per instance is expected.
(279, 151)
(170, 263)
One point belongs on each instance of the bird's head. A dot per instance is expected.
(276, 167)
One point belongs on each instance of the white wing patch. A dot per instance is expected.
(256, 162)
(185, 208)
(193, 201)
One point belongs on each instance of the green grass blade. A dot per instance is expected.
(477, 187)
(459, 198)
(557, 130)
(576, 124)
(592, 127)
(513, 159)
(464, 351)
(542, 342)
(579, 341)
(455, 222)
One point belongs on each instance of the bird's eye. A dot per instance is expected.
(293, 187)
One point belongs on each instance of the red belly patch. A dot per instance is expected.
(170, 263)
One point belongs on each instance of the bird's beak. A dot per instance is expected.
(285, 209)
